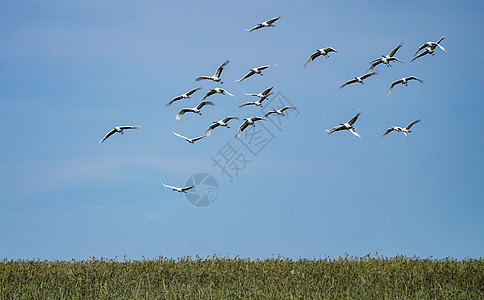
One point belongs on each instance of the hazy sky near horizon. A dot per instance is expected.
(70, 71)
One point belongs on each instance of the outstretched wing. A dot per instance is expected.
(241, 128)
(364, 76)
(392, 85)
(203, 103)
(348, 82)
(411, 124)
(210, 128)
(330, 49)
(108, 135)
(286, 108)
(174, 99)
(388, 131)
(267, 91)
(353, 120)
(220, 68)
(169, 186)
(272, 20)
(257, 118)
(354, 132)
(420, 48)
(187, 188)
(394, 58)
(128, 127)
(229, 93)
(209, 93)
(414, 78)
(198, 138)
(193, 91)
(258, 26)
(443, 49)
(374, 64)
(264, 67)
(311, 58)
(247, 103)
(180, 135)
(395, 50)
(246, 76)
(182, 112)
(336, 128)
(202, 78)
(269, 112)
(421, 54)
(226, 119)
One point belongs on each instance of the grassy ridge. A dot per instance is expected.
(224, 278)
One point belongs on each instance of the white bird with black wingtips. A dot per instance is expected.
(279, 112)
(183, 96)
(400, 129)
(217, 91)
(264, 94)
(177, 189)
(256, 103)
(222, 123)
(119, 129)
(194, 109)
(358, 79)
(323, 51)
(403, 81)
(191, 141)
(268, 23)
(346, 126)
(247, 122)
(430, 46)
(386, 59)
(253, 71)
(215, 77)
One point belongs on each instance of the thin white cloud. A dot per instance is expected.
(153, 216)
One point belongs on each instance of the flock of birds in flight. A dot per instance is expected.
(428, 48)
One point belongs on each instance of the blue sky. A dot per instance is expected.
(70, 71)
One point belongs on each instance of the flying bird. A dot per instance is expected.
(431, 46)
(264, 94)
(255, 71)
(217, 91)
(323, 51)
(184, 96)
(117, 129)
(346, 126)
(357, 79)
(222, 122)
(194, 109)
(386, 59)
(400, 129)
(215, 77)
(267, 23)
(256, 103)
(176, 189)
(191, 141)
(403, 81)
(278, 111)
(247, 122)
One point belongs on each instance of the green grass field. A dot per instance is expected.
(225, 278)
